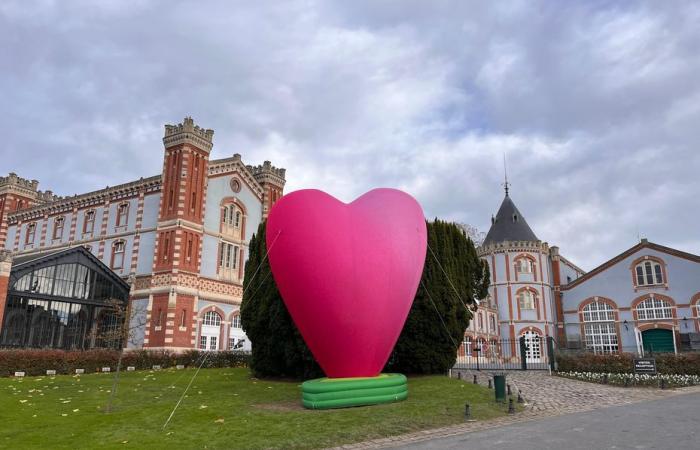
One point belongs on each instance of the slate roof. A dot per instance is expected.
(509, 225)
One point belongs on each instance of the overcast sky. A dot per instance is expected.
(595, 103)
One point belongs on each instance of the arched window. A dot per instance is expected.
(599, 328)
(210, 331)
(526, 300)
(118, 255)
(653, 309)
(236, 321)
(232, 215)
(524, 265)
(481, 321)
(533, 346)
(649, 273)
(492, 323)
(212, 318)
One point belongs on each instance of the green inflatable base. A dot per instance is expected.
(328, 393)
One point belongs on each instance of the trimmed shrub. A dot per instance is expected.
(37, 362)
(666, 363)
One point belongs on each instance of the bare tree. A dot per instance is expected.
(473, 233)
(119, 328)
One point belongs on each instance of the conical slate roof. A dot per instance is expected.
(509, 225)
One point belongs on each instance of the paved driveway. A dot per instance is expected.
(546, 396)
(669, 423)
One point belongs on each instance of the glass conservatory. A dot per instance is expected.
(64, 299)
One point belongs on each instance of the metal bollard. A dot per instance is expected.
(605, 378)
(520, 396)
(459, 375)
(490, 387)
(663, 383)
(475, 382)
(467, 411)
(511, 407)
(627, 382)
(509, 392)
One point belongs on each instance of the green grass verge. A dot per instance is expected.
(224, 408)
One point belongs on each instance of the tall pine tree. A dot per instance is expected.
(454, 277)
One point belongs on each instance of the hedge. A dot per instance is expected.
(666, 363)
(37, 362)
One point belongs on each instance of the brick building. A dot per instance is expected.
(178, 238)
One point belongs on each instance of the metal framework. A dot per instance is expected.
(63, 299)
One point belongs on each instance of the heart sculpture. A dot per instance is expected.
(348, 273)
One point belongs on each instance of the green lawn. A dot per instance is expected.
(224, 408)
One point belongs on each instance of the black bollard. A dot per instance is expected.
(509, 392)
(663, 383)
(520, 396)
(475, 382)
(467, 411)
(511, 407)
(490, 387)
(459, 375)
(605, 378)
(627, 382)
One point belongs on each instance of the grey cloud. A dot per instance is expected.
(595, 103)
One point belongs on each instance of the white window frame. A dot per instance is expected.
(654, 309)
(601, 337)
(651, 273)
(533, 347)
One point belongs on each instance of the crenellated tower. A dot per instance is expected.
(17, 193)
(272, 181)
(180, 229)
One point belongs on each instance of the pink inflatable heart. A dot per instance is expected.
(348, 273)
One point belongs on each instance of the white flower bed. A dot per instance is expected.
(630, 379)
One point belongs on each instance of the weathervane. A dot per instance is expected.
(506, 184)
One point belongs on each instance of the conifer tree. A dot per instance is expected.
(454, 278)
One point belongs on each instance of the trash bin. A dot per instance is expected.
(499, 385)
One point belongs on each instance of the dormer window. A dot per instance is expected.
(649, 273)
(515, 217)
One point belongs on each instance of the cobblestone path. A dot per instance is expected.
(545, 396)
